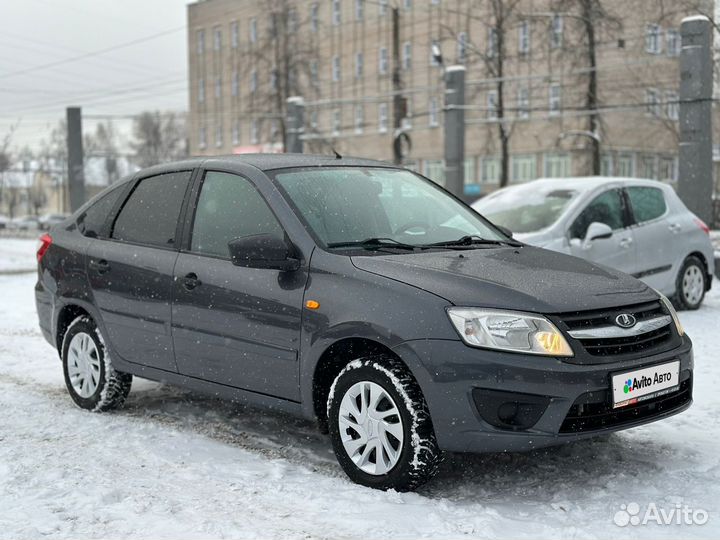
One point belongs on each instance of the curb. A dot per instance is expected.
(18, 271)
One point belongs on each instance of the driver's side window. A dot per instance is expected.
(606, 208)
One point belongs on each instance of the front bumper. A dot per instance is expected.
(563, 401)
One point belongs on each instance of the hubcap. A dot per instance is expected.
(83, 365)
(693, 284)
(371, 428)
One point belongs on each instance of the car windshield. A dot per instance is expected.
(526, 209)
(351, 205)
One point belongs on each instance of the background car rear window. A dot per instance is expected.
(92, 220)
(229, 207)
(150, 214)
(606, 208)
(647, 203)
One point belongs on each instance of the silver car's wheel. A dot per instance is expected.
(693, 285)
(371, 428)
(83, 365)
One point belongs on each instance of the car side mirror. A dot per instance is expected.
(262, 251)
(596, 231)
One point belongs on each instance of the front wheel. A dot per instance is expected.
(690, 286)
(90, 378)
(380, 426)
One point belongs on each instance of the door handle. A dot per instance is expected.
(100, 266)
(190, 281)
(675, 227)
(626, 243)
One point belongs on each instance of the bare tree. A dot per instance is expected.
(5, 158)
(158, 137)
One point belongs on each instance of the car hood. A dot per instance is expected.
(525, 278)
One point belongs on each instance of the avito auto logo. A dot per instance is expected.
(645, 382)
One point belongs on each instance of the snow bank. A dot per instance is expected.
(17, 255)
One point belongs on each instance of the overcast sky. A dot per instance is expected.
(151, 74)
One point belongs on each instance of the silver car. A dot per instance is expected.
(640, 227)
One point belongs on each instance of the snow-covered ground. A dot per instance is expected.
(18, 254)
(174, 464)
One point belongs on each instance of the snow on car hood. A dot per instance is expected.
(525, 278)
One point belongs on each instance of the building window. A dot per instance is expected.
(557, 165)
(556, 32)
(668, 169)
(235, 83)
(523, 102)
(383, 118)
(606, 165)
(236, 133)
(201, 41)
(336, 122)
(652, 102)
(314, 120)
(524, 38)
(492, 42)
(314, 72)
(201, 90)
(218, 87)
(407, 118)
(433, 61)
(336, 68)
(435, 170)
(234, 34)
(359, 10)
(469, 169)
(253, 81)
(273, 79)
(523, 167)
(202, 138)
(653, 39)
(490, 170)
(217, 39)
(407, 4)
(672, 41)
(359, 119)
(314, 19)
(673, 105)
(461, 47)
(492, 105)
(218, 136)
(648, 167)
(555, 99)
(407, 55)
(253, 30)
(382, 7)
(433, 112)
(336, 13)
(254, 131)
(383, 60)
(359, 65)
(625, 166)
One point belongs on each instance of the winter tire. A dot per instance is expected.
(90, 378)
(691, 284)
(380, 426)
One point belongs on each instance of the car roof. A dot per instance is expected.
(588, 183)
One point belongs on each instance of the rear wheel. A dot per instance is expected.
(90, 378)
(690, 285)
(380, 426)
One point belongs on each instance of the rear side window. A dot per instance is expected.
(229, 207)
(92, 220)
(150, 214)
(647, 203)
(605, 208)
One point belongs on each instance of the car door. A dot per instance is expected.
(654, 234)
(618, 251)
(234, 325)
(131, 273)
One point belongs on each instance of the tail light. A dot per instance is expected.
(45, 241)
(700, 223)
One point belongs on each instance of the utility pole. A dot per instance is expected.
(455, 130)
(295, 125)
(695, 185)
(398, 100)
(76, 172)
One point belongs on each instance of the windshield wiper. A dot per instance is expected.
(373, 243)
(473, 240)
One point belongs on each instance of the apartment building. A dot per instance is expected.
(528, 71)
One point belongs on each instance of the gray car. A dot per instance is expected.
(640, 227)
(361, 296)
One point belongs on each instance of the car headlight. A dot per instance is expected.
(668, 305)
(509, 331)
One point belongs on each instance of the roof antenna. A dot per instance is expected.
(337, 155)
